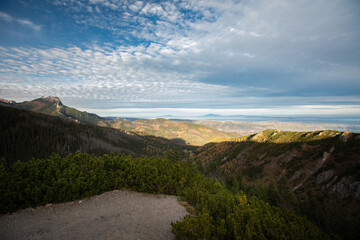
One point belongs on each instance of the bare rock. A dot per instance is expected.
(324, 177)
(347, 187)
(346, 136)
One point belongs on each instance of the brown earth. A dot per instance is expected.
(112, 215)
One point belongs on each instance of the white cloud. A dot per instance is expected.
(255, 34)
(24, 22)
(29, 24)
(249, 55)
(154, 9)
(135, 7)
(5, 17)
(124, 75)
(98, 1)
(111, 5)
(89, 9)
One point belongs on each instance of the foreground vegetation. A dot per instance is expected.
(221, 214)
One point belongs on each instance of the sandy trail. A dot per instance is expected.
(112, 215)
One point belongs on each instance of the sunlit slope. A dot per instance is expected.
(181, 132)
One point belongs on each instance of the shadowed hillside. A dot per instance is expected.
(317, 174)
(27, 134)
(328, 160)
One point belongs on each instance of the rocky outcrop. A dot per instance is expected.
(7, 101)
(346, 136)
(308, 173)
(347, 187)
(324, 176)
(53, 100)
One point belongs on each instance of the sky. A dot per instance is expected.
(184, 58)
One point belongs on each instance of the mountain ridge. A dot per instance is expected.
(179, 132)
(328, 161)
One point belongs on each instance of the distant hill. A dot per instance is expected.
(211, 115)
(179, 132)
(26, 134)
(247, 128)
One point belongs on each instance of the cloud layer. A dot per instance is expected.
(189, 54)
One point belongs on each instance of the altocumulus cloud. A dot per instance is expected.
(275, 55)
(126, 75)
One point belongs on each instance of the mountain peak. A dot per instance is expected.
(52, 99)
(7, 101)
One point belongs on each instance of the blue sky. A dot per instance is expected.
(184, 58)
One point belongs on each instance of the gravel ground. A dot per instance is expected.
(112, 215)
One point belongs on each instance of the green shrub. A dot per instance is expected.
(222, 214)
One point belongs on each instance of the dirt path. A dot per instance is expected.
(112, 215)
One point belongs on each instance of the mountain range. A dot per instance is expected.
(247, 128)
(324, 160)
(179, 132)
